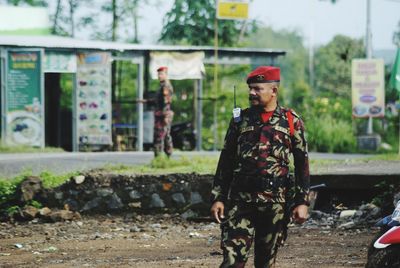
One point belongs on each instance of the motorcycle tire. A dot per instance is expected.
(385, 258)
(371, 248)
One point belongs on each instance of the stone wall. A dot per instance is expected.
(102, 192)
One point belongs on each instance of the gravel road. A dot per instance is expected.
(163, 241)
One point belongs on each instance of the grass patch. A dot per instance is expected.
(208, 165)
(162, 164)
(50, 180)
(385, 157)
(27, 149)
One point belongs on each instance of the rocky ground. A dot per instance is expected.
(166, 241)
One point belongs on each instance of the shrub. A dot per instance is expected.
(328, 134)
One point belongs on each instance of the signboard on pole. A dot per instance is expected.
(233, 9)
(24, 124)
(368, 88)
(93, 99)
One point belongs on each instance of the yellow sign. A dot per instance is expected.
(233, 9)
(368, 88)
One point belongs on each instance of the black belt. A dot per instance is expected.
(257, 183)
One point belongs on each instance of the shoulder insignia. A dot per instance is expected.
(291, 111)
(294, 113)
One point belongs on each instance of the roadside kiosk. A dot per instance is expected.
(33, 68)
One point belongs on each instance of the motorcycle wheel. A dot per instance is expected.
(385, 258)
(371, 248)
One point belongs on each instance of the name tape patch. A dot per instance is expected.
(245, 129)
(282, 129)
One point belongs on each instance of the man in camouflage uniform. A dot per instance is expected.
(252, 182)
(163, 115)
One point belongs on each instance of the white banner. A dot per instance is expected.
(59, 62)
(180, 65)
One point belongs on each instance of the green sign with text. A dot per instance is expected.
(24, 109)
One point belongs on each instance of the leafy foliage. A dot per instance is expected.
(333, 66)
(328, 134)
(41, 3)
(384, 198)
(192, 22)
(51, 180)
(295, 90)
(9, 186)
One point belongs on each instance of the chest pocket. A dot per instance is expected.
(281, 143)
(247, 140)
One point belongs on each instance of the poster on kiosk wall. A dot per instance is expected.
(93, 98)
(23, 106)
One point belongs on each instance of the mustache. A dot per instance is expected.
(253, 97)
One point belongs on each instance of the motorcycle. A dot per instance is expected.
(384, 250)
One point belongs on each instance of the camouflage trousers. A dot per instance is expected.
(248, 222)
(162, 136)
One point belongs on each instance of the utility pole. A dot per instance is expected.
(368, 48)
(368, 41)
(214, 103)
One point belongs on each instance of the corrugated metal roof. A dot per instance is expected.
(59, 42)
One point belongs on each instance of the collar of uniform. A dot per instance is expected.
(276, 116)
(278, 111)
(255, 113)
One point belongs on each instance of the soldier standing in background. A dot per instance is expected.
(252, 179)
(163, 115)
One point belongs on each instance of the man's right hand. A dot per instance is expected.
(217, 211)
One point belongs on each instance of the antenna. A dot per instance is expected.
(236, 111)
(234, 96)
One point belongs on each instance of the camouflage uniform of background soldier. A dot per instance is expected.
(163, 115)
(252, 182)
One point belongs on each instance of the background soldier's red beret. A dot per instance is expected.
(264, 74)
(162, 68)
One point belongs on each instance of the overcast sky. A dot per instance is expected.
(318, 21)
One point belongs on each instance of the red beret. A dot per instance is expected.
(264, 74)
(162, 68)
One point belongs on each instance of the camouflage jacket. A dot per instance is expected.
(164, 97)
(256, 149)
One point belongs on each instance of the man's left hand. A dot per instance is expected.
(300, 214)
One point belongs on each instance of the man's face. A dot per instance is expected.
(262, 94)
(162, 76)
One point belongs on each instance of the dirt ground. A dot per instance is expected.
(162, 241)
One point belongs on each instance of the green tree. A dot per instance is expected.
(41, 3)
(64, 17)
(333, 66)
(294, 88)
(124, 17)
(192, 22)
